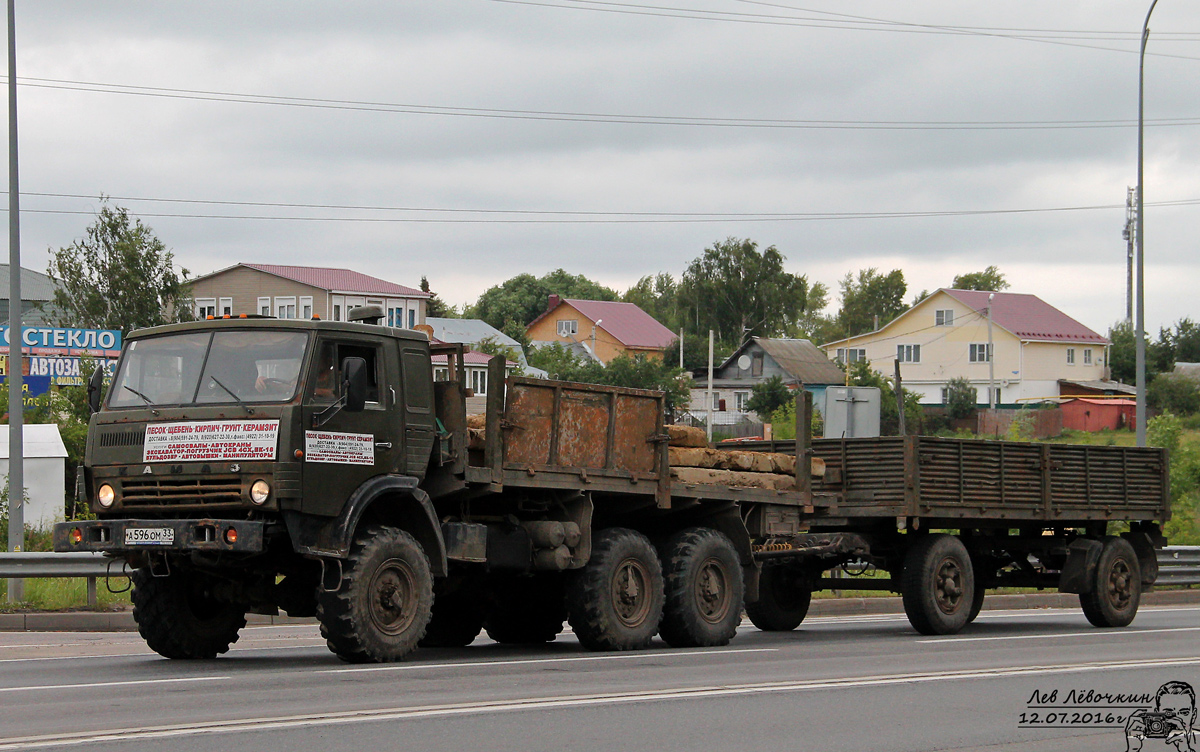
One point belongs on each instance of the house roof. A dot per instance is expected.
(1103, 385)
(471, 358)
(1028, 316)
(800, 358)
(333, 280)
(34, 285)
(468, 331)
(1117, 402)
(38, 441)
(625, 322)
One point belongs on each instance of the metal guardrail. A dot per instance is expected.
(36, 564)
(1179, 565)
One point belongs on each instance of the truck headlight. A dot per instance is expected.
(260, 492)
(106, 496)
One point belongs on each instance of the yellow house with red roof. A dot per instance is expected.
(1035, 346)
(600, 329)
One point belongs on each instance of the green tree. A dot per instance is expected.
(637, 372)
(695, 352)
(435, 307)
(961, 397)
(492, 346)
(119, 276)
(559, 362)
(1175, 393)
(767, 396)
(738, 291)
(988, 280)
(869, 296)
(657, 296)
(1122, 354)
(523, 298)
(1180, 344)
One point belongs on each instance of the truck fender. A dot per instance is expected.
(1143, 546)
(331, 538)
(1078, 572)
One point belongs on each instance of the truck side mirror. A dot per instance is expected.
(354, 383)
(95, 390)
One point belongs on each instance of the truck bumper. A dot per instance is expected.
(142, 536)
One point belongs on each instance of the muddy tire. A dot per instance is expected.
(702, 580)
(179, 619)
(784, 595)
(1117, 587)
(384, 601)
(457, 618)
(976, 603)
(938, 585)
(616, 601)
(527, 611)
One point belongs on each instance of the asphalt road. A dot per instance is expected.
(843, 683)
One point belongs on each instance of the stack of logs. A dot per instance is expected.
(693, 461)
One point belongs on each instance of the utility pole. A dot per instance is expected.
(16, 390)
(1130, 234)
(1139, 328)
(991, 360)
(709, 393)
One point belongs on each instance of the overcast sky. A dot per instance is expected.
(471, 140)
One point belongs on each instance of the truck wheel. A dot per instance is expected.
(938, 585)
(1117, 588)
(457, 619)
(385, 599)
(784, 595)
(976, 603)
(179, 619)
(703, 587)
(615, 602)
(527, 611)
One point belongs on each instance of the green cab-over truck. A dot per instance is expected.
(252, 465)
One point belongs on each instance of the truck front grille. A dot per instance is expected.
(207, 491)
(118, 438)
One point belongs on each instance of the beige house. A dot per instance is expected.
(291, 292)
(945, 336)
(600, 329)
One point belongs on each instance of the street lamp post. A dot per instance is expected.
(1139, 334)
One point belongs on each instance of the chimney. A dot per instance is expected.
(553, 303)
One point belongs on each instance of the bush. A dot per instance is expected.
(767, 396)
(960, 398)
(1174, 392)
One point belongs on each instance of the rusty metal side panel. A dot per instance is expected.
(988, 478)
(528, 424)
(870, 473)
(636, 421)
(582, 427)
(1116, 479)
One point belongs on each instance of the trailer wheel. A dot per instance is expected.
(178, 618)
(976, 602)
(457, 618)
(616, 601)
(938, 585)
(527, 611)
(703, 586)
(784, 595)
(1117, 589)
(384, 602)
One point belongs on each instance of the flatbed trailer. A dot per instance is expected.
(344, 482)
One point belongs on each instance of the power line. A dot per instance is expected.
(861, 24)
(588, 117)
(526, 216)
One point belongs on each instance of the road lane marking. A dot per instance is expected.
(131, 682)
(286, 722)
(1059, 635)
(700, 653)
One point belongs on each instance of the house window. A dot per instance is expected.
(441, 374)
(226, 306)
(412, 319)
(908, 353)
(337, 313)
(756, 366)
(944, 317)
(739, 401)
(1087, 356)
(980, 353)
(850, 355)
(306, 308)
(989, 391)
(285, 308)
(264, 306)
(716, 400)
(1070, 356)
(479, 382)
(206, 307)
(567, 327)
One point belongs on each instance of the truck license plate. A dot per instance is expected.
(149, 536)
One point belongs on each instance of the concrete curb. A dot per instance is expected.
(122, 621)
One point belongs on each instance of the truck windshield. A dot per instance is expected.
(210, 367)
